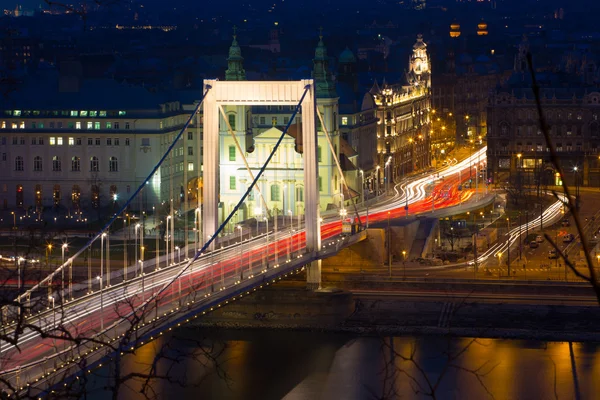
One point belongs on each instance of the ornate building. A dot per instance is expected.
(404, 117)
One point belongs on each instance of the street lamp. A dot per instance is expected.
(62, 270)
(14, 219)
(257, 213)
(362, 176)
(241, 254)
(101, 303)
(142, 273)
(377, 180)
(519, 160)
(267, 258)
(137, 226)
(51, 298)
(102, 254)
(167, 237)
(178, 254)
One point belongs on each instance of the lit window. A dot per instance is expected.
(71, 141)
(102, 114)
(232, 183)
(96, 125)
(93, 113)
(344, 120)
(52, 141)
(231, 118)
(109, 125)
(17, 113)
(33, 125)
(56, 166)
(90, 124)
(59, 141)
(121, 113)
(274, 192)
(3, 124)
(74, 113)
(231, 153)
(190, 166)
(14, 125)
(22, 125)
(83, 113)
(319, 154)
(77, 125)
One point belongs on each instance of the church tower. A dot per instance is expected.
(235, 62)
(419, 66)
(325, 87)
(521, 57)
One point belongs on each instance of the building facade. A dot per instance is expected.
(404, 118)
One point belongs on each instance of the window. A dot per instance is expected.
(56, 164)
(320, 182)
(102, 114)
(232, 183)
(319, 159)
(83, 113)
(96, 125)
(190, 151)
(275, 193)
(52, 141)
(94, 164)
(97, 141)
(231, 153)
(126, 141)
(34, 141)
(109, 125)
(75, 196)
(113, 164)
(51, 126)
(273, 121)
(121, 113)
(75, 164)
(77, 125)
(17, 113)
(71, 126)
(116, 141)
(90, 125)
(190, 135)
(56, 195)
(126, 125)
(22, 140)
(93, 113)
(59, 125)
(38, 195)
(231, 118)
(90, 142)
(74, 113)
(15, 140)
(344, 120)
(262, 120)
(19, 163)
(95, 196)
(300, 194)
(33, 125)
(116, 125)
(78, 141)
(40, 140)
(59, 141)
(190, 166)
(109, 142)
(71, 141)
(37, 163)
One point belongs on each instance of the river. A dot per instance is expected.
(290, 365)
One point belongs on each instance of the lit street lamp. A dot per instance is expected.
(241, 254)
(167, 237)
(51, 298)
(62, 271)
(101, 303)
(267, 258)
(178, 254)
(404, 262)
(137, 226)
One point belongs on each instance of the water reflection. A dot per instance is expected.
(303, 365)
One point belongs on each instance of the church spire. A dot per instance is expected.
(325, 87)
(235, 61)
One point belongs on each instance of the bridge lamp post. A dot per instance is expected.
(51, 298)
(141, 262)
(362, 177)
(167, 233)
(291, 250)
(267, 257)
(101, 303)
(14, 219)
(257, 213)
(178, 254)
(62, 269)
(136, 240)
(102, 255)
(377, 180)
(241, 254)
(389, 242)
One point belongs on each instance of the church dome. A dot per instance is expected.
(347, 57)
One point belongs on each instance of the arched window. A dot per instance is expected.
(94, 164)
(231, 118)
(299, 194)
(19, 163)
(113, 164)
(75, 196)
(37, 163)
(56, 166)
(56, 195)
(75, 164)
(274, 192)
(95, 196)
